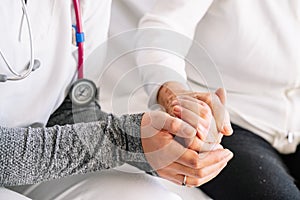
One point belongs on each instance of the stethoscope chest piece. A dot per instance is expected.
(83, 92)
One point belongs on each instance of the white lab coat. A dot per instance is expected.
(30, 102)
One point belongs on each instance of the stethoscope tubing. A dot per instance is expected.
(80, 44)
(32, 64)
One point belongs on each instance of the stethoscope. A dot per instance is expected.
(82, 91)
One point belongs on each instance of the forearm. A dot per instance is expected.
(31, 155)
(172, 26)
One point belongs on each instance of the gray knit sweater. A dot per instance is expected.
(65, 147)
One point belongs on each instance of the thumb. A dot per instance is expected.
(221, 93)
(227, 129)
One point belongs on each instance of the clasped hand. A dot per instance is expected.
(179, 145)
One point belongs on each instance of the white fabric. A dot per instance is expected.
(37, 96)
(181, 17)
(255, 46)
(123, 183)
(8, 194)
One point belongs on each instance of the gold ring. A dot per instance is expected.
(184, 181)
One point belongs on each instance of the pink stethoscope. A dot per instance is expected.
(82, 91)
(79, 38)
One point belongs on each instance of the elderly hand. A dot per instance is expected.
(195, 108)
(161, 135)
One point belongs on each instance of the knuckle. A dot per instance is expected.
(175, 125)
(218, 157)
(206, 124)
(199, 173)
(195, 161)
(198, 182)
(207, 108)
(207, 98)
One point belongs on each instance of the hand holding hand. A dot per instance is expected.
(161, 134)
(173, 95)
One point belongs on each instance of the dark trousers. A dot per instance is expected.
(257, 171)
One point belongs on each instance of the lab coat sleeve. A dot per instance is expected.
(32, 155)
(165, 36)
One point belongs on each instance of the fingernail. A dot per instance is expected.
(177, 109)
(228, 129)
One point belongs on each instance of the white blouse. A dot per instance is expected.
(255, 47)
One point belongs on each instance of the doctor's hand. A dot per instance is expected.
(196, 108)
(166, 142)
